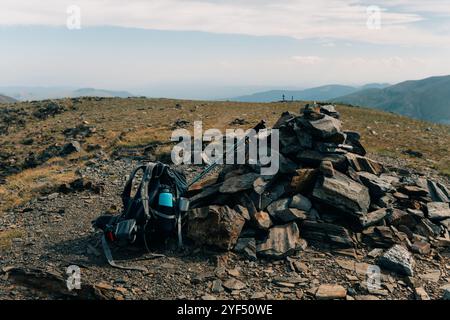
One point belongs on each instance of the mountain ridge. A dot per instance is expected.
(320, 93)
(24, 93)
(425, 99)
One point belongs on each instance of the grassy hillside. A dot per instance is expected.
(427, 99)
(123, 123)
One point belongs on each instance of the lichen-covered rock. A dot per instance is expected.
(398, 259)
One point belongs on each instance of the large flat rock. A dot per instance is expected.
(342, 193)
(280, 242)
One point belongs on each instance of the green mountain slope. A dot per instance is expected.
(426, 99)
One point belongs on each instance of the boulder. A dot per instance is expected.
(326, 233)
(247, 247)
(304, 138)
(373, 218)
(243, 211)
(342, 193)
(382, 236)
(239, 183)
(446, 294)
(218, 226)
(291, 214)
(329, 110)
(353, 139)
(377, 187)
(438, 192)
(314, 158)
(262, 220)
(304, 180)
(71, 147)
(446, 223)
(421, 247)
(326, 127)
(360, 163)
(399, 260)
(399, 217)
(427, 228)
(300, 202)
(326, 168)
(281, 241)
(285, 118)
(286, 165)
(271, 194)
(421, 294)
(282, 210)
(289, 142)
(438, 211)
(385, 201)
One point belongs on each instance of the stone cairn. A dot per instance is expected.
(327, 193)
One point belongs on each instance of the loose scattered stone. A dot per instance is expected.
(331, 291)
(421, 247)
(234, 284)
(399, 260)
(217, 286)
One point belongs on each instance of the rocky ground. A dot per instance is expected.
(59, 234)
(53, 231)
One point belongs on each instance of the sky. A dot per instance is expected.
(218, 48)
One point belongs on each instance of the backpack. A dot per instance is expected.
(156, 209)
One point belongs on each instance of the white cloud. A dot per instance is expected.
(307, 60)
(332, 19)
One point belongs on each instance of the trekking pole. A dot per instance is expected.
(233, 148)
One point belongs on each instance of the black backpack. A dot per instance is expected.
(156, 209)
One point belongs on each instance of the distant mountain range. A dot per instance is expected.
(6, 99)
(41, 93)
(426, 99)
(322, 93)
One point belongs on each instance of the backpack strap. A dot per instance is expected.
(126, 194)
(147, 195)
(110, 260)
